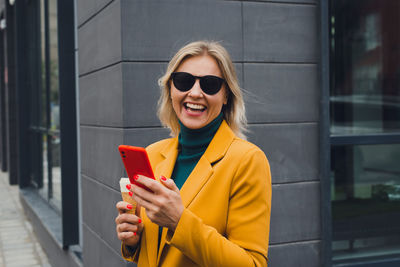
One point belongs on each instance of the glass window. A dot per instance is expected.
(365, 91)
(45, 122)
(365, 201)
(365, 102)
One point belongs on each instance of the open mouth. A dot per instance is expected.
(194, 107)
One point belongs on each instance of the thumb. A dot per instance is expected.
(169, 183)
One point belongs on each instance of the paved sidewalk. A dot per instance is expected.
(18, 244)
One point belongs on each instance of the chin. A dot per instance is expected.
(194, 125)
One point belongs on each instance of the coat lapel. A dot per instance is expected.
(203, 170)
(201, 173)
(165, 168)
(170, 153)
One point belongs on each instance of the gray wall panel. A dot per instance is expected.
(99, 211)
(99, 40)
(275, 32)
(285, 1)
(100, 159)
(141, 93)
(99, 154)
(87, 8)
(155, 30)
(145, 136)
(97, 252)
(302, 254)
(101, 97)
(240, 73)
(292, 150)
(281, 92)
(295, 213)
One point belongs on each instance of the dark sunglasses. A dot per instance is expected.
(184, 81)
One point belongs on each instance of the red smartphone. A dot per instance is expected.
(136, 162)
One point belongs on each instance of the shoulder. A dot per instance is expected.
(245, 157)
(159, 145)
(250, 167)
(245, 149)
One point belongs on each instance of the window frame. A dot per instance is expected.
(68, 101)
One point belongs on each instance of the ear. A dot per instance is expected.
(226, 96)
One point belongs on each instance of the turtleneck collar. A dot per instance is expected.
(193, 141)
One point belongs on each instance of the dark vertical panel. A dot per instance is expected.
(48, 110)
(10, 96)
(68, 127)
(33, 69)
(22, 45)
(3, 143)
(324, 145)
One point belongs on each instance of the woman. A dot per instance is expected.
(214, 207)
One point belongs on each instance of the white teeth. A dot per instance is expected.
(194, 106)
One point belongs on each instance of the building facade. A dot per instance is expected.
(321, 81)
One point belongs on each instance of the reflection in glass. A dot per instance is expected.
(56, 170)
(54, 88)
(54, 105)
(365, 201)
(45, 182)
(49, 109)
(365, 47)
(43, 106)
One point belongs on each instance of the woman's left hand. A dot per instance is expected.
(164, 205)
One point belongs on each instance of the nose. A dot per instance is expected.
(196, 90)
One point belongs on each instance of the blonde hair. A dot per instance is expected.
(233, 111)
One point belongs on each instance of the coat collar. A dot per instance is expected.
(215, 151)
(203, 170)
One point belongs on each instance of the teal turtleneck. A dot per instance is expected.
(192, 145)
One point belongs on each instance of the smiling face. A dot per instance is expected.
(194, 108)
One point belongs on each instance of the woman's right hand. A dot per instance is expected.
(129, 226)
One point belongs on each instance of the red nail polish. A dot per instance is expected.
(163, 178)
(129, 206)
(134, 233)
(128, 186)
(130, 193)
(139, 221)
(136, 177)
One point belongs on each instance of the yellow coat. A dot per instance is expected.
(227, 200)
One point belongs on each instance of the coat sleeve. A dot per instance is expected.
(245, 242)
(130, 254)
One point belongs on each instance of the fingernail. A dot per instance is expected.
(128, 186)
(134, 233)
(139, 221)
(130, 193)
(136, 177)
(163, 178)
(129, 206)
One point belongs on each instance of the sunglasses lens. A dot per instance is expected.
(211, 84)
(183, 81)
